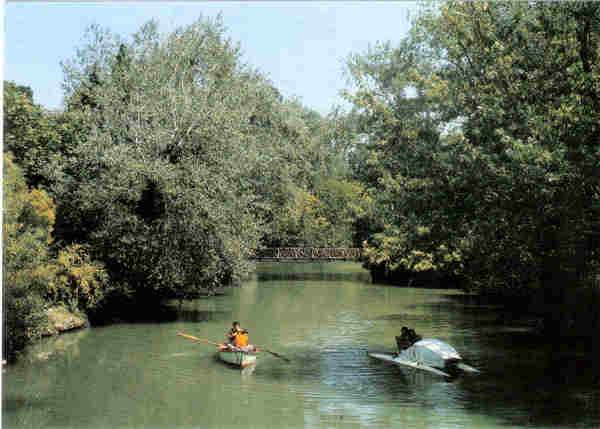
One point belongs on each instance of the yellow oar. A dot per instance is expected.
(191, 337)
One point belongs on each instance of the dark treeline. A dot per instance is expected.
(470, 156)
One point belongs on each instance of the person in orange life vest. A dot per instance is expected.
(237, 336)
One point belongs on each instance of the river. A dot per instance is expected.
(324, 318)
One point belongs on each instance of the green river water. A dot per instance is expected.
(324, 318)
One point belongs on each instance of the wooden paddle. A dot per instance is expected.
(258, 348)
(273, 353)
(191, 337)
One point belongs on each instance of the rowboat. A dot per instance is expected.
(431, 355)
(236, 356)
(240, 356)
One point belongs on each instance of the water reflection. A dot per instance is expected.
(300, 276)
(312, 271)
(66, 346)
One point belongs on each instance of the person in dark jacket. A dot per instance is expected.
(407, 338)
(403, 340)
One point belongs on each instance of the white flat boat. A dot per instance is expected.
(431, 355)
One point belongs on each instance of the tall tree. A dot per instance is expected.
(161, 190)
(190, 159)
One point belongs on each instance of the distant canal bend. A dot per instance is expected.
(324, 318)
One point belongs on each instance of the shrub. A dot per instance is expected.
(27, 222)
(79, 282)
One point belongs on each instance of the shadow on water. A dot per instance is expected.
(163, 313)
(509, 310)
(551, 393)
(196, 316)
(484, 313)
(529, 380)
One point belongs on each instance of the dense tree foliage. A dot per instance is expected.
(483, 147)
(192, 160)
(161, 191)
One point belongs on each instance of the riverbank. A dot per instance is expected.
(60, 319)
